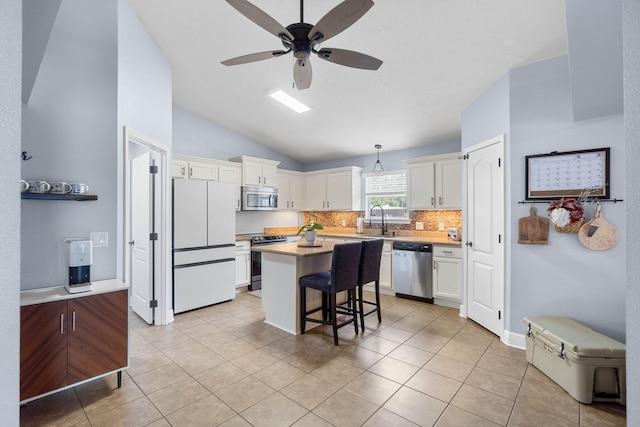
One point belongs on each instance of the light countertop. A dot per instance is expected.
(59, 293)
(296, 248)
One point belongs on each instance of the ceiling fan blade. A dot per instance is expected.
(339, 19)
(349, 58)
(253, 57)
(259, 17)
(302, 73)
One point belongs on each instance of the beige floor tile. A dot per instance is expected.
(480, 342)
(411, 355)
(456, 417)
(284, 347)
(279, 375)
(194, 358)
(217, 339)
(393, 369)
(360, 357)
(603, 414)
(261, 338)
(178, 395)
(244, 393)
(494, 382)
(212, 314)
(60, 409)
(139, 345)
(103, 394)
(310, 358)
(208, 411)
(438, 332)
(385, 418)
(551, 400)
(147, 362)
(473, 328)
(186, 321)
(372, 387)
(309, 391)
(527, 416)
(378, 344)
(504, 365)
(337, 372)
(312, 420)
(246, 329)
(220, 376)
(409, 325)
(139, 412)
(236, 421)
(255, 361)
(483, 403)
(449, 367)
(274, 411)
(434, 385)
(426, 343)
(160, 378)
(415, 406)
(345, 409)
(462, 352)
(499, 349)
(395, 334)
(162, 422)
(234, 349)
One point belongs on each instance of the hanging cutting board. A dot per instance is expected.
(533, 230)
(598, 233)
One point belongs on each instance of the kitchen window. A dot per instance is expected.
(389, 190)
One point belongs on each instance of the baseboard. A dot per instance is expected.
(514, 340)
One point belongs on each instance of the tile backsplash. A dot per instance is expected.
(430, 219)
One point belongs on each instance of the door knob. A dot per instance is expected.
(470, 244)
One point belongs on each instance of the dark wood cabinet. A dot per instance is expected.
(66, 342)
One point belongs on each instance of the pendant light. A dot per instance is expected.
(377, 168)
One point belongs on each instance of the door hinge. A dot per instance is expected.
(465, 157)
(153, 169)
(153, 236)
(153, 303)
(499, 315)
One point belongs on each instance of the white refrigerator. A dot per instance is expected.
(204, 224)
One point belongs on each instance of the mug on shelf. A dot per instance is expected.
(24, 185)
(60, 188)
(79, 188)
(39, 186)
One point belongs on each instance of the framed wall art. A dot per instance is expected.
(568, 174)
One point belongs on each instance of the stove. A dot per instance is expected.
(256, 257)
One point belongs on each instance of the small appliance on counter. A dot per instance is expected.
(455, 233)
(360, 226)
(79, 260)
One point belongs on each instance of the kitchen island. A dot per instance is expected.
(282, 267)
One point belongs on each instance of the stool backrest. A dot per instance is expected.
(344, 266)
(370, 261)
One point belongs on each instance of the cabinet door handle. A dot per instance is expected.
(292, 203)
(61, 323)
(73, 320)
(323, 204)
(433, 202)
(435, 264)
(190, 172)
(182, 168)
(440, 200)
(327, 204)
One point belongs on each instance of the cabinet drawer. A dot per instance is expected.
(447, 251)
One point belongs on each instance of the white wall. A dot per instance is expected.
(631, 17)
(69, 129)
(10, 111)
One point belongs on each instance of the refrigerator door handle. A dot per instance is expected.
(197, 264)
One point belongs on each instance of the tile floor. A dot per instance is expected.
(221, 365)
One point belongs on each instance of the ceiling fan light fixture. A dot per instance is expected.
(377, 167)
(289, 101)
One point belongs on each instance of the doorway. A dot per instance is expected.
(485, 234)
(147, 227)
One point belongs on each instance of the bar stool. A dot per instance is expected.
(342, 277)
(369, 271)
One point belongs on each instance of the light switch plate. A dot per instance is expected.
(100, 239)
(419, 225)
(441, 226)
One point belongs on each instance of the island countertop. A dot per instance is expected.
(296, 248)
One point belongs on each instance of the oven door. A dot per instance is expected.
(256, 271)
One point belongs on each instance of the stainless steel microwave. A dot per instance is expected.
(259, 198)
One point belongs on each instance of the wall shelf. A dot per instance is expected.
(49, 196)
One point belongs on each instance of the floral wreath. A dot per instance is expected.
(565, 211)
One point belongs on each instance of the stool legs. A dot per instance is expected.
(303, 308)
(376, 304)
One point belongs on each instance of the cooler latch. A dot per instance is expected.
(561, 353)
(529, 331)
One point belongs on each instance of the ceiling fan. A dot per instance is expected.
(303, 39)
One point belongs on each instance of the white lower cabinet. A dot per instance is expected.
(447, 275)
(243, 263)
(385, 266)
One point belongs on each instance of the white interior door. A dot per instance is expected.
(141, 227)
(485, 235)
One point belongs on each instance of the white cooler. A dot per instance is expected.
(589, 365)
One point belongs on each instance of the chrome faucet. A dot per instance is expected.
(383, 230)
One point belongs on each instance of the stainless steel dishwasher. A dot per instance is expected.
(412, 271)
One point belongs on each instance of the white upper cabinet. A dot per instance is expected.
(435, 182)
(335, 189)
(258, 172)
(290, 190)
(231, 173)
(182, 167)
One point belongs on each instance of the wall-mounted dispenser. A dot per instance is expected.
(79, 260)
